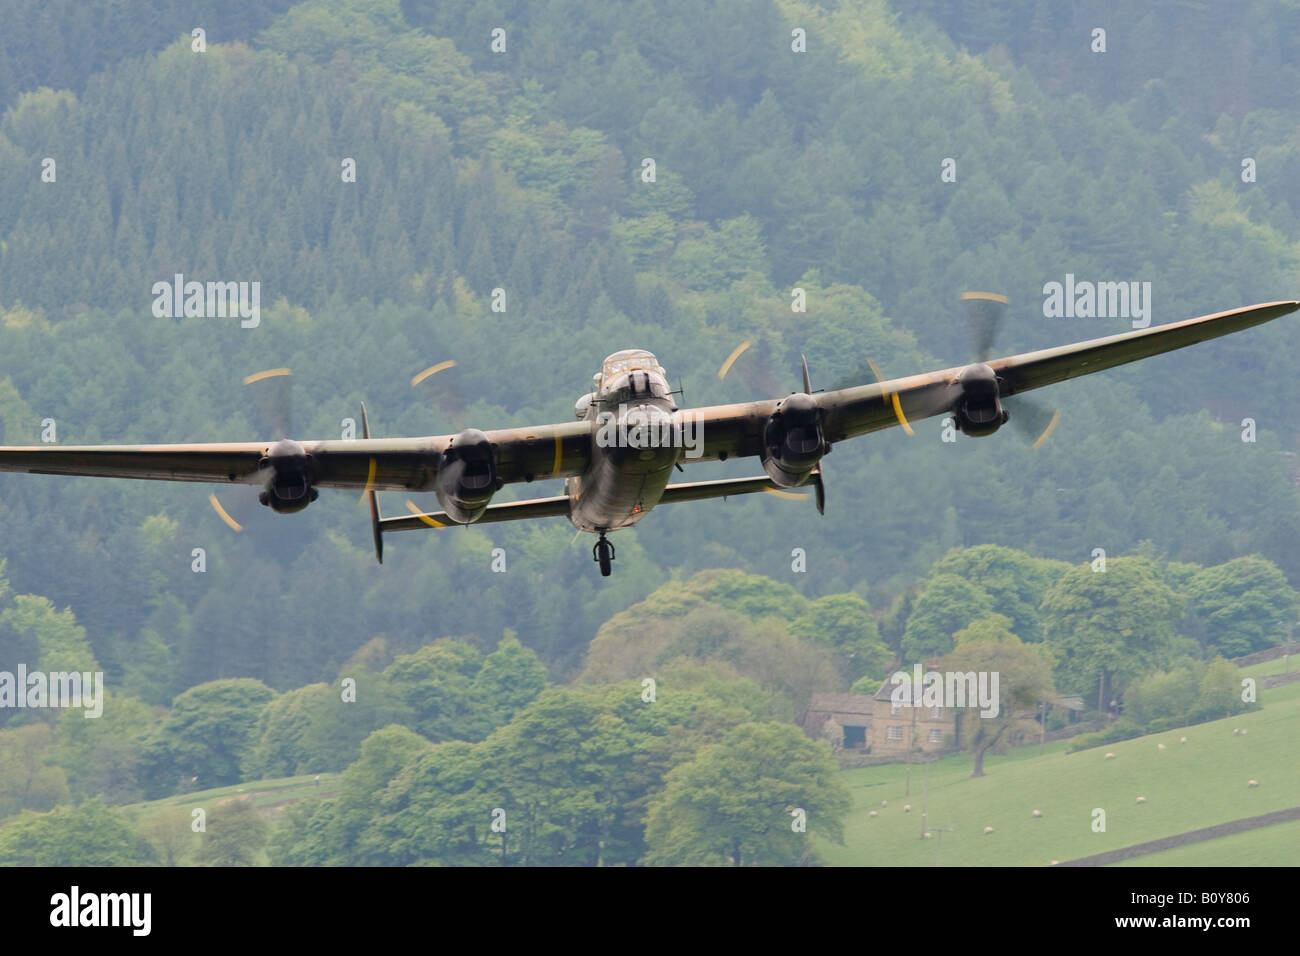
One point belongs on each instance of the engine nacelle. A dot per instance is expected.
(793, 442)
(289, 483)
(979, 411)
(467, 476)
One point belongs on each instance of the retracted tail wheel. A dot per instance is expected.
(603, 552)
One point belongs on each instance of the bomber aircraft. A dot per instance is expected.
(617, 458)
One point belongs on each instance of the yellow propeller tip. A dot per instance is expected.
(223, 514)
(1051, 426)
(370, 483)
(731, 359)
(269, 373)
(432, 370)
(793, 495)
(415, 510)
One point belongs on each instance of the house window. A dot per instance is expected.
(895, 732)
(936, 735)
(855, 737)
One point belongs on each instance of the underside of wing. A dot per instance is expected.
(379, 463)
(506, 511)
(855, 411)
(399, 464)
(209, 462)
(722, 488)
(559, 505)
(1048, 366)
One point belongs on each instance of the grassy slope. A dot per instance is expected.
(1200, 783)
(268, 795)
(1187, 786)
(265, 794)
(1278, 665)
(1267, 846)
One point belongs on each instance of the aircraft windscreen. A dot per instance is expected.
(619, 365)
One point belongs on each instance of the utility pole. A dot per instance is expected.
(925, 793)
(911, 743)
(1042, 740)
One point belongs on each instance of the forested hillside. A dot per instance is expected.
(522, 170)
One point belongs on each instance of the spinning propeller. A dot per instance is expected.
(797, 411)
(281, 481)
(985, 313)
(975, 399)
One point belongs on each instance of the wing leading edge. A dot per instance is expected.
(732, 431)
(553, 451)
(866, 408)
(383, 464)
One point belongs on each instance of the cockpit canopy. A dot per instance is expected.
(628, 360)
(630, 375)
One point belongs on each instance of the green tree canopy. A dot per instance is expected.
(1016, 581)
(1244, 605)
(1024, 679)
(206, 735)
(845, 622)
(945, 605)
(734, 803)
(329, 832)
(88, 835)
(235, 834)
(29, 780)
(1099, 624)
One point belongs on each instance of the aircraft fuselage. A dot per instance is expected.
(634, 446)
(621, 484)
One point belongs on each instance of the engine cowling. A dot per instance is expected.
(793, 442)
(288, 486)
(979, 411)
(467, 476)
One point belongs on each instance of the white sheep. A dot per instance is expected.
(1252, 783)
(1142, 799)
(1038, 813)
(1110, 756)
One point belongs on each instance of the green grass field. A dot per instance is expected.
(1280, 665)
(1267, 846)
(1186, 786)
(266, 794)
